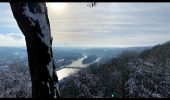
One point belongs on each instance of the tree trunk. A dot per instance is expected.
(32, 19)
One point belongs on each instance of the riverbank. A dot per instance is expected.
(72, 68)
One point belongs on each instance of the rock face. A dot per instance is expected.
(33, 21)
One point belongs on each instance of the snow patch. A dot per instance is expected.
(50, 68)
(156, 95)
(149, 64)
(48, 86)
(56, 90)
(43, 23)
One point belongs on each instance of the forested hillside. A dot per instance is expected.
(129, 75)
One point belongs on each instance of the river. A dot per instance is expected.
(73, 68)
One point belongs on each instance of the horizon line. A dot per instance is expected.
(85, 47)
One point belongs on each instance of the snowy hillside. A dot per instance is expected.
(131, 74)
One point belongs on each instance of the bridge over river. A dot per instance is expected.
(65, 71)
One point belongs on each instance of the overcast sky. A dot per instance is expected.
(106, 25)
